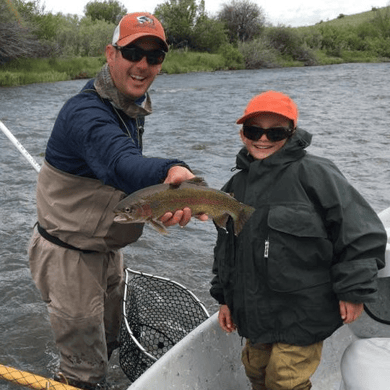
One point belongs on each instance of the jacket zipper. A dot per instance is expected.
(140, 130)
(266, 248)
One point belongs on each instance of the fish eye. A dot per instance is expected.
(127, 209)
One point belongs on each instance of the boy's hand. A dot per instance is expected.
(225, 319)
(350, 311)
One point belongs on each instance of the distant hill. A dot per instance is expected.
(351, 20)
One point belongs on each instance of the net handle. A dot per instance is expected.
(127, 323)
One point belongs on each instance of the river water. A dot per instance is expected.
(346, 107)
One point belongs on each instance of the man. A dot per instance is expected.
(93, 159)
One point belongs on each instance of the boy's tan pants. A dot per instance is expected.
(83, 293)
(281, 366)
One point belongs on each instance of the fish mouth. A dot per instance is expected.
(123, 218)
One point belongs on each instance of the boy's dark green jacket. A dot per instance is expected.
(313, 241)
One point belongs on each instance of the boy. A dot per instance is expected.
(306, 260)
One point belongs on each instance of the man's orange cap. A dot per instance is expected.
(271, 101)
(137, 25)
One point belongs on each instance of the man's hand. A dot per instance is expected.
(225, 319)
(176, 175)
(350, 311)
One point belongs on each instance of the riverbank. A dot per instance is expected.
(47, 70)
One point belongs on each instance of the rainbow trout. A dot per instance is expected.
(149, 204)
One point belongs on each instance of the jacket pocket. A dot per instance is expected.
(300, 253)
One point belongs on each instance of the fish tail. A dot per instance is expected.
(243, 216)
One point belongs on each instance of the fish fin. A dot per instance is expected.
(245, 213)
(221, 220)
(158, 225)
(199, 181)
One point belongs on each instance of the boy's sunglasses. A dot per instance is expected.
(273, 134)
(135, 54)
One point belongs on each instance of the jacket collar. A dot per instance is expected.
(291, 151)
(106, 89)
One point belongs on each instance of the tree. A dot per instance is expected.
(109, 10)
(16, 36)
(187, 24)
(82, 37)
(244, 20)
(179, 18)
(43, 25)
(208, 35)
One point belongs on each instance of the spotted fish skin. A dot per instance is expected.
(149, 204)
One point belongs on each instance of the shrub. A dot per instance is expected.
(258, 54)
(83, 37)
(208, 35)
(289, 43)
(233, 57)
(381, 21)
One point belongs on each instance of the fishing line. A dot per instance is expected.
(20, 147)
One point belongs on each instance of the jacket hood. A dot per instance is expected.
(291, 151)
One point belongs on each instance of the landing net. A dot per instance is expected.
(157, 313)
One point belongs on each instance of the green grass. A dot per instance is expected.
(8, 78)
(45, 70)
(347, 20)
(351, 20)
(183, 61)
(358, 56)
(325, 59)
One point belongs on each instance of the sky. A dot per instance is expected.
(292, 13)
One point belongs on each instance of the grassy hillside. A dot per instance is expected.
(350, 20)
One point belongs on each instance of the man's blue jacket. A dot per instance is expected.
(92, 139)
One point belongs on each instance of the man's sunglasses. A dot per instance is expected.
(135, 54)
(273, 134)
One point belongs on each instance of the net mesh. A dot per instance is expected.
(157, 313)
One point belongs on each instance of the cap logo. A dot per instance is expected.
(145, 20)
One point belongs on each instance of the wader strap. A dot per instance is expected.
(57, 241)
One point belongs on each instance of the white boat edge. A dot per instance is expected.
(209, 359)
